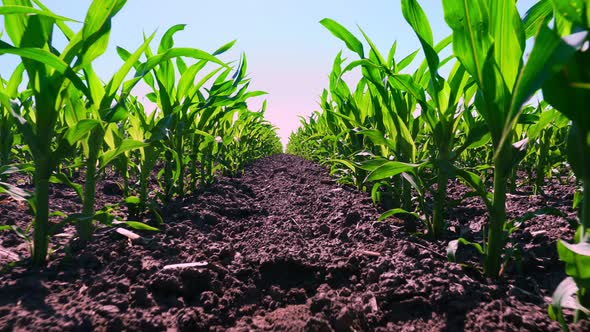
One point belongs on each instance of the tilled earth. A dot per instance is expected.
(284, 248)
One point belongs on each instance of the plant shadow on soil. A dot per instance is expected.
(289, 250)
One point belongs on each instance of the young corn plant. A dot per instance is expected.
(50, 74)
(227, 97)
(400, 138)
(382, 112)
(568, 90)
(152, 129)
(247, 138)
(442, 114)
(544, 133)
(175, 98)
(489, 41)
(7, 128)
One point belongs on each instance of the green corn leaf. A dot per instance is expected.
(550, 52)
(417, 19)
(181, 65)
(419, 75)
(224, 48)
(374, 50)
(27, 30)
(15, 80)
(391, 55)
(140, 226)
(61, 178)
(537, 17)
(177, 52)
(405, 62)
(343, 34)
(167, 41)
(80, 130)
(475, 182)
(375, 136)
(471, 34)
(373, 163)
(133, 200)
(406, 83)
(346, 163)
(99, 13)
(390, 169)
(253, 94)
(114, 114)
(578, 198)
(126, 145)
(123, 53)
(97, 29)
(118, 78)
(24, 10)
(453, 246)
(509, 39)
(398, 211)
(559, 90)
(572, 10)
(187, 79)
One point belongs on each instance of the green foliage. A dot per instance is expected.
(567, 90)
(403, 135)
(67, 119)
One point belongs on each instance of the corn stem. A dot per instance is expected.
(41, 232)
(496, 237)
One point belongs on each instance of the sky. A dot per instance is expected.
(289, 53)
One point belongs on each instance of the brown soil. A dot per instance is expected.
(287, 249)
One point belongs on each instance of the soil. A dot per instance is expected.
(284, 248)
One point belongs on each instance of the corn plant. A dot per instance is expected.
(50, 74)
(151, 128)
(568, 90)
(71, 110)
(112, 115)
(399, 138)
(442, 113)
(379, 117)
(489, 39)
(547, 134)
(247, 138)
(226, 98)
(7, 128)
(175, 99)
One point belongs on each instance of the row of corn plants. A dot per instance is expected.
(403, 136)
(62, 123)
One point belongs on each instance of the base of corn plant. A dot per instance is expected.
(496, 239)
(41, 229)
(85, 226)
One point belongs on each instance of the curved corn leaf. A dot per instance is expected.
(389, 169)
(343, 34)
(167, 41)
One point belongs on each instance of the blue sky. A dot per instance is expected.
(290, 54)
